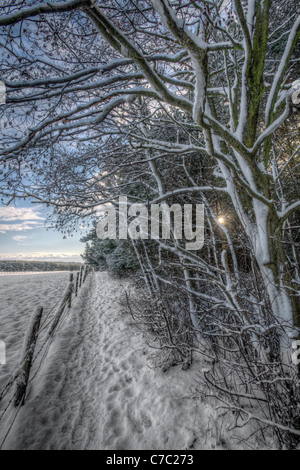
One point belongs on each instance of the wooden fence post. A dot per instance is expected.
(27, 356)
(77, 282)
(61, 307)
(86, 271)
(81, 272)
(70, 296)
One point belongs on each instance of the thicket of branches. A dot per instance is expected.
(176, 102)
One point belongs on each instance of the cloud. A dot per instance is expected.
(18, 227)
(13, 214)
(41, 256)
(19, 219)
(20, 238)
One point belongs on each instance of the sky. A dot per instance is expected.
(23, 236)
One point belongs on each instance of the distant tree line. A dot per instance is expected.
(19, 266)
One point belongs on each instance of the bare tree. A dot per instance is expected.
(169, 100)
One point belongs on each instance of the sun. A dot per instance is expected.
(221, 220)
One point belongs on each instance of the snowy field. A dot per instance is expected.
(20, 294)
(96, 388)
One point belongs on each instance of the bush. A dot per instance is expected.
(115, 256)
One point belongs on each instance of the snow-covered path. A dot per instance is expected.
(97, 391)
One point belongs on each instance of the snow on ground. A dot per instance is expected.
(19, 296)
(96, 390)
